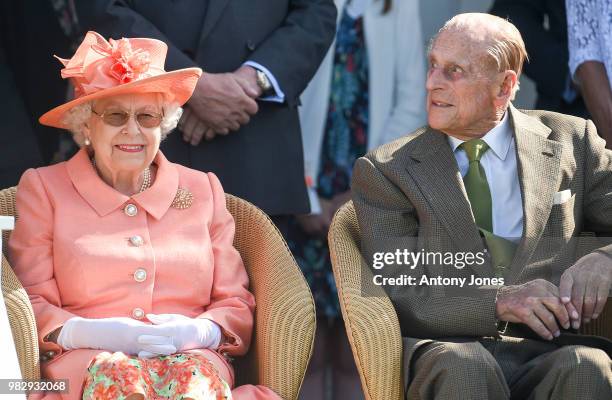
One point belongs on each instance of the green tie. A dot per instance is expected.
(479, 194)
(476, 184)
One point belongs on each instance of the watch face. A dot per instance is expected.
(263, 81)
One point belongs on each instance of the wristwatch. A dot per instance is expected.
(263, 82)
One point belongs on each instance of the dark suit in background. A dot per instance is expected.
(262, 162)
(18, 146)
(543, 25)
(30, 33)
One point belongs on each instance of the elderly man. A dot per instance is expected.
(513, 188)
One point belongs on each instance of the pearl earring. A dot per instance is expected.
(87, 142)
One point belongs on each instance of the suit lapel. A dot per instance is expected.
(433, 167)
(213, 13)
(538, 160)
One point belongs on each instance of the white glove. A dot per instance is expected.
(180, 332)
(110, 334)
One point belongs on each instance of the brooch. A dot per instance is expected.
(183, 199)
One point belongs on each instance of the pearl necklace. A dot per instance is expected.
(146, 181)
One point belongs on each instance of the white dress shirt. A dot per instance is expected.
(499, 163)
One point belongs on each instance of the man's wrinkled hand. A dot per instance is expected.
(221, 103)
(585, 286)
(536, 304)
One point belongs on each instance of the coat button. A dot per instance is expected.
(138, 313)
(140, 275)
(136, 240)
(130, 210)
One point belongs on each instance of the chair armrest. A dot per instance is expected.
(371, 321)
(23, 324)
(285, 311)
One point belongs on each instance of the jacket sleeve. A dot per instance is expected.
(115, 18)
(293, 52)
(408, 112)
(231, 304)
(598, 187)
(31, 256)
(388, 222)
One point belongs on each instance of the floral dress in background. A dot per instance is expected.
(344, 141)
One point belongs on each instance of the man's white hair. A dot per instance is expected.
(78, 116)
(502, 40)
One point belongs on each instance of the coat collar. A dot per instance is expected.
(104, 199)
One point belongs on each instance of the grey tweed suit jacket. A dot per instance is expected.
(409, 194)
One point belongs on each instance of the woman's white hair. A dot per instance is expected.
(78, 116)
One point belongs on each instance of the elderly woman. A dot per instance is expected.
(127, 258)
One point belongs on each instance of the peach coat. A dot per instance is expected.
(72, 251)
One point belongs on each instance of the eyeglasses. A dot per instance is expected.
(145, 119)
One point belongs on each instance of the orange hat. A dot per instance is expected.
(101, 69)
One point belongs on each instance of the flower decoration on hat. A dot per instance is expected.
(129, 64)
(99, 64)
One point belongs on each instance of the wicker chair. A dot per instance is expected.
(284, 318)
(378, 352)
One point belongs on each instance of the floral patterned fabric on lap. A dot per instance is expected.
(179, 376)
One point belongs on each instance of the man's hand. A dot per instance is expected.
(193, 128)
(221, 103)
(246, 77)
(535, 304)
(585, 286)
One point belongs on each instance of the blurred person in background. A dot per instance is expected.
(369, 90)
(242, 121)
(543, 25)
(30, 31)
(590, 58)
(18, 145)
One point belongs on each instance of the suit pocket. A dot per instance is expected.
(562, 221)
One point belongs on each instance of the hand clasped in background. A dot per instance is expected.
(220, 103)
